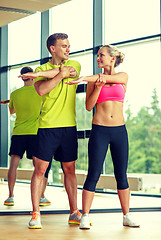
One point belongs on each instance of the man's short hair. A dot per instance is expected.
(26, 70)
(52, 39)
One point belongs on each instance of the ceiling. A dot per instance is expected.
(12, 10)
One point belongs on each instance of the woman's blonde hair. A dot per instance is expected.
(113, 51)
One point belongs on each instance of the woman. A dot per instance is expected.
(107, 92)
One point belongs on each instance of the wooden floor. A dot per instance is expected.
(55, 226)
(106, 226)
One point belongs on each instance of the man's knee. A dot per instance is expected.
(15, 160)
(40, 167)
(68, 167)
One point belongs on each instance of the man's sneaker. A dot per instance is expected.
(35, 222)
(129, 221)
(75, 217)
(44, 202)
(85, 222)
(9, 201)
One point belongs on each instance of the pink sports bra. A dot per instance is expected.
(112, 93)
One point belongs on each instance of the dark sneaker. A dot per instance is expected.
(9, 201)
(44, 202)
(75, 217)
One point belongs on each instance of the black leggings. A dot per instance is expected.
(100, 138)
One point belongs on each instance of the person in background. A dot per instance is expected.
(107, 92)
(26, 104)
(57, 134)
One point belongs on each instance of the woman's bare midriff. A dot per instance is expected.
(109, 113)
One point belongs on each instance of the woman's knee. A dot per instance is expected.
(122, 182)
(91, 182)
(90, 185)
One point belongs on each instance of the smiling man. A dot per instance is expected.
(57, 134)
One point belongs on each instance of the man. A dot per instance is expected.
(26, 103)
(57, 135)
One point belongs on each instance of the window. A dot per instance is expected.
(24, 39)
(141, 58)
(126, 19)
(76, 19)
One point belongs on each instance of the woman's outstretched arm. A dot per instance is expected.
(121, 77)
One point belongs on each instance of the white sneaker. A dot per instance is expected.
(129, 221)
(35, 222)
(85, 222)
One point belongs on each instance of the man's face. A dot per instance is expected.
(61, 49)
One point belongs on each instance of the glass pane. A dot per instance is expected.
(76, 19)
(82, 162)
(54, 173)
(140, 61)
(86, 61)
(24, 39)
(142, 113)
(84, 118)
(126, 19)
(14, 81)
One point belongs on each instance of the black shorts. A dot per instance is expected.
(60, 143)
(22, 143)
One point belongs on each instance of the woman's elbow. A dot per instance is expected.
(125, 78)
(89, 108)
(12, 111)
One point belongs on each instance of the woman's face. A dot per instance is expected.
(104, 59)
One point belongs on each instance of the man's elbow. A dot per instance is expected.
(39, 90)
(40, 93)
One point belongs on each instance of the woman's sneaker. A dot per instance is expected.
(129, 221)
(9, 201)
(44, 202)
(35, 222)
(85, 222)
(75, 217)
